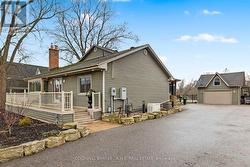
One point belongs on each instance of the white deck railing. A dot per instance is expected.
(96, 100)
(62, 101)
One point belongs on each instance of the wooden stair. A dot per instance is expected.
(82, 117)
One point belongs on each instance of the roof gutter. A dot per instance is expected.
(66, 73)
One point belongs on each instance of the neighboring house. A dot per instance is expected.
(221, 88)
(16, 74)
(127, 77)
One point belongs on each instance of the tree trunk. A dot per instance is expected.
(3, 79)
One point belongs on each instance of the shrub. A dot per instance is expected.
(25, 121)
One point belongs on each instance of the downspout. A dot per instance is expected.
(103, 91)
(239, 95)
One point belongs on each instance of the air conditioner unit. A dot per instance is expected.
(152, 107)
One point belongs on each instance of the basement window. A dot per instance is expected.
(216, 81)
(85, 83)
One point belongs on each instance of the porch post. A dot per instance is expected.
(71, 100)
(40, 99)
(93, 101)
(42, 85)
(103, 91)
(99, 100)
(28, 86)
(14, 101)
(24, 97)
(63, 101)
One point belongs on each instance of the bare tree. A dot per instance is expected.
(190, 88)
(13, 36)
(187, 89)
(88, 23)
(10, 118)
(180, 88)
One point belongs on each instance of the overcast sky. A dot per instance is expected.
(190, 36)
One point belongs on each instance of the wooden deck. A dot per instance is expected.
(54, 116)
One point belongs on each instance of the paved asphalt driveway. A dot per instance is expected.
(201, 136)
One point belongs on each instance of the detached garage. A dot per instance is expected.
(218, 97)
(224, 89)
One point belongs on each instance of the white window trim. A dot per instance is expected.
(78, 83)
(214, 81)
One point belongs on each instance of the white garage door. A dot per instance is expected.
(217, 97)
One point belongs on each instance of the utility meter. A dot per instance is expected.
(123, 93)
(113, 92)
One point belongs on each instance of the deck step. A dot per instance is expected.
(82, 117)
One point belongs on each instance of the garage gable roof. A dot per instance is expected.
(230, 79)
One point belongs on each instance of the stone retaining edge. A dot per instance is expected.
(34, 147)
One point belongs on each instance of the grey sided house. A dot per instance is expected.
(222, 88)
(118, 77)
(16, 74)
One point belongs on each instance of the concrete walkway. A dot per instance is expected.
(201, 136)
(98, 126)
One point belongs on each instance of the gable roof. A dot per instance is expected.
(230, 79)
(101, 62)
(95, 46)
(21, 71)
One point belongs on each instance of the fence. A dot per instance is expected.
(62, 101)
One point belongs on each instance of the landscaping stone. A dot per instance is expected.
(71, 125)
(50, 133)
(154, 114)
(137, 118)
(115, 119)
(151, 116)
(158, 115)
(106, 117)
(11, 153)
(70, 135)
(84, 132)
(144, 117)
(171, 111)
(54, 141)
(127, 120)
(164, 113)
(179, 109)
(33, 147)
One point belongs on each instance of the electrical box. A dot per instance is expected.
(123, 93)
(153, 107)
(113, 92)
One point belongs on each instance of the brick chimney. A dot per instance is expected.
(53, 57)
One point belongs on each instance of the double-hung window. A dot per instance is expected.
(84, 84)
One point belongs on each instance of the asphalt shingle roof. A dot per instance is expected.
(21, 71)
(232, 79)
(83, 64)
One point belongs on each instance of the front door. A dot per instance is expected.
(57, 88)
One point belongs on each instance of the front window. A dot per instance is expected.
(85, 84)
(217, 81)
(35, 86)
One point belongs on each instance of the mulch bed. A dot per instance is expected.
(23, 134)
